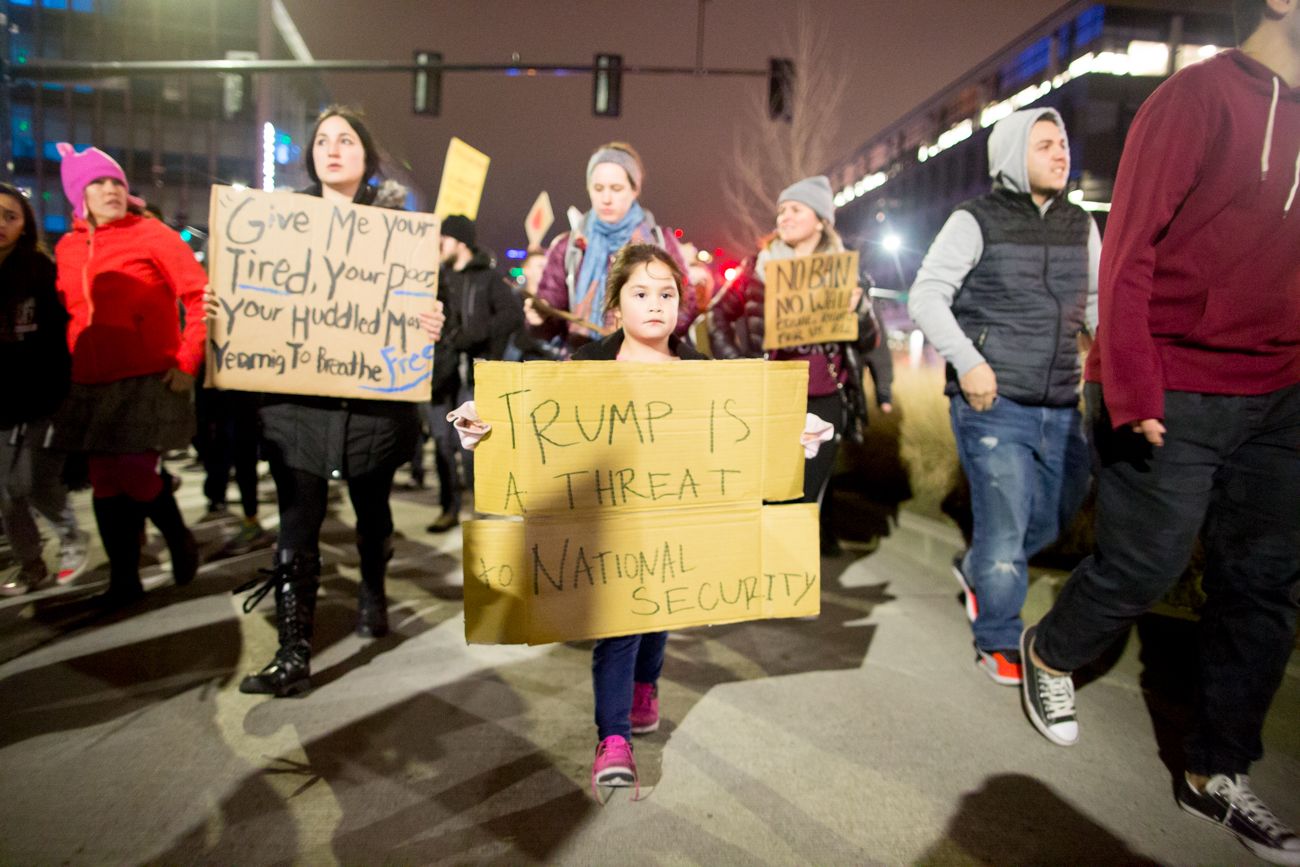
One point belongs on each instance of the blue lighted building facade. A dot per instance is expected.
(1094, 62)
(174, 135)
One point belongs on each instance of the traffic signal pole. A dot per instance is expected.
(44, 69)
(426, 69)
(6, 83)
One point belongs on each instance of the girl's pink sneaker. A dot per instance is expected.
(645, 709)
(614, 765)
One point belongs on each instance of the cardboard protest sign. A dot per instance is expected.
(594, 435)
(464, 172)
(320, 298)
(641, 489)
(807, 300)
(552, 578)
(539, 219)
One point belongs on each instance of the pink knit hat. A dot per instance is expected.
(79, 170)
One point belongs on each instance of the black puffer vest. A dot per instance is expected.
(1022, 305)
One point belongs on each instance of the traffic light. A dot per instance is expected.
(607, 85)
(780, 88)
(426, 96)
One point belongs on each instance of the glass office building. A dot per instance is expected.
(1093, 62)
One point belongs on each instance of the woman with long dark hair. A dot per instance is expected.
(34, 350)
(310, 441)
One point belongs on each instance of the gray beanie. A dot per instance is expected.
(815, 192)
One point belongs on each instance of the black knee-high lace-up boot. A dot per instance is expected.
(295, 580)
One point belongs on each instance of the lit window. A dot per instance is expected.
(1147, 58)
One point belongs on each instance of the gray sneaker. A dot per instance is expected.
(24, 579)
(74, 554)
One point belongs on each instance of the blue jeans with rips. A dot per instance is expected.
(1028, 471)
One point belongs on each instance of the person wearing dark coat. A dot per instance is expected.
(310, 441)
(483, 314)
(33, 341)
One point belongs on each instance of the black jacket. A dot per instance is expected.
(336, 438)
(482, 310)
(33, 340)
(524, 345)
(606, 349)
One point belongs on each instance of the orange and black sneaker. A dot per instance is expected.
(1003, 666)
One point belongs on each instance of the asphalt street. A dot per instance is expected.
(863, 736)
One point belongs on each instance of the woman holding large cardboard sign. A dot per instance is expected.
(571, 294)
(122, 275)
(310, 440)
(805, 226)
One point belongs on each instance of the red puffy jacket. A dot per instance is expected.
(121, 283)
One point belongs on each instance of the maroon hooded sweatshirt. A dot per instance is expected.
(1200, 268)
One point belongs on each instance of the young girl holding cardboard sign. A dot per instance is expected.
(644, 289)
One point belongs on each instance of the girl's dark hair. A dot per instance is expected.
(353, 117)
(30, 240)
(626, 262)
(1246, 17)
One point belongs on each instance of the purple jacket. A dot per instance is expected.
(553, 288)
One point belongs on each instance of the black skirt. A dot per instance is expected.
(128, 416)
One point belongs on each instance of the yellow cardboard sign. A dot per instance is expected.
(807, 300)
(641, 490)
(319, 298)
(551, 578)
(599, 435)
(464, 172)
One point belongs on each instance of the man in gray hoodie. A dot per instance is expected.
(1003, 293)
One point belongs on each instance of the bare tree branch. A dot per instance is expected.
(768, 155)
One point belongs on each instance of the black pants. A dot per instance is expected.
(229, 428)
(447, 451)
(304, 498)
(817, 471)
(1230, 470)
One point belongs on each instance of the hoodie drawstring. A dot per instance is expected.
(1295, 184)
(1268, 149)
(1268, 135)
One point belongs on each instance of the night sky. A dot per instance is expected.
(540, 131)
